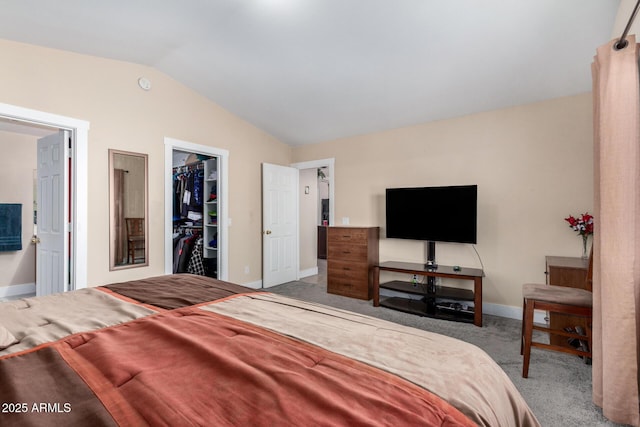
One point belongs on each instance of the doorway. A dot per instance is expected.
(322, 208)
(210, 220)
(195, 213)
(72, 196)
(305, 262)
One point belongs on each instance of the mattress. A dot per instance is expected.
(190, 350)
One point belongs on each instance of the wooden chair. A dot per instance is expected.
(556, 299)
(135, 238)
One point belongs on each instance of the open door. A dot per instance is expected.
(52, 239)
(280, 224)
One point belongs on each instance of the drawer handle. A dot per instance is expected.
(346, 252)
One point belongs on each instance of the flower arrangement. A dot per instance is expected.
(584, 226)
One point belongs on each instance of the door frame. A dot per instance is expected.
(171, 144)
(313, 164)
(79, 170)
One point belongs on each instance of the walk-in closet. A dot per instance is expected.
(195, 213)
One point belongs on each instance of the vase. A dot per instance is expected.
(585, 243)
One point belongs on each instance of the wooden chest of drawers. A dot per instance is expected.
(351, 254)
(570, 272)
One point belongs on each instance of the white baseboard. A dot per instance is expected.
(508, 311)
(308, 272)
(254, 285)
(304, 273)
(511, 312)
(500, 310)
(27, 289)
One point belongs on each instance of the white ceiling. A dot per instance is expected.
(313, 70)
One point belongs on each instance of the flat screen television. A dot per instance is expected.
(438, 214)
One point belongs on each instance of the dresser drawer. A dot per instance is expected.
(347, 252)
(349, 270)
(347, 290)
(354, 236)
(348, 287)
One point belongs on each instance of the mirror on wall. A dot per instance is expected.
(128, 211)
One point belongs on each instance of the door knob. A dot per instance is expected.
(35, 240)
(267, 232)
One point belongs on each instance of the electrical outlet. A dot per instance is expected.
(414, 280)
(247, 270)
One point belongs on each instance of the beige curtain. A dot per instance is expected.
(616, 275)
(120, 226)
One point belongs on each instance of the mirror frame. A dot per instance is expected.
(112, 222)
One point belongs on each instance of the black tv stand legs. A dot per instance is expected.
(431, 285)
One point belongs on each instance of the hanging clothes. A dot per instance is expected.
(177, 196)
(196, 266)
(188, 188)
(186, 195)
(198, 187)
(188, 217)
(185, 254)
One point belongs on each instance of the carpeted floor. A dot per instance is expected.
(558, 389)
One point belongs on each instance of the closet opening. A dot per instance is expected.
(195, 210)
(195, 213)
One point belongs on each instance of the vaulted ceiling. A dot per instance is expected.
(313, 70)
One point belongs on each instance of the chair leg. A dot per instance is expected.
(527, 336)
(588, 359)
(524, 302)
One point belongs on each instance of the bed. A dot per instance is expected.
(182, 350)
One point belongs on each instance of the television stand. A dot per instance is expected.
(427, 306)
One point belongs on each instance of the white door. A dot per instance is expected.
(52, 270)
(280, 224)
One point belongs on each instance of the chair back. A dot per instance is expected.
(135, 227)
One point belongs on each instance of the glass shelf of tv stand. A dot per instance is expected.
(428, 305)
(438, 271)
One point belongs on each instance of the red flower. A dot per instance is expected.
(583, 225)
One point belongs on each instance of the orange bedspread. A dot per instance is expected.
(191, 367)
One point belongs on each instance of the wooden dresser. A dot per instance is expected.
(351, 254)
(570, 272)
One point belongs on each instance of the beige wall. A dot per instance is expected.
(17, 164)
(532, 165)
(122, 116)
